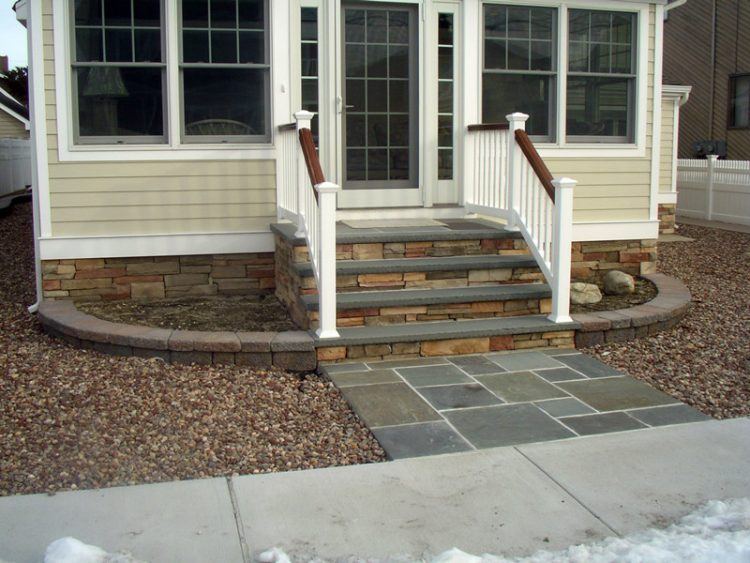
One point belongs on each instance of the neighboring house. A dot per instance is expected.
(707, 46)
(14, 118)
(162, 133)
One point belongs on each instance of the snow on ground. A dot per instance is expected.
(719, 531)
(71, 550)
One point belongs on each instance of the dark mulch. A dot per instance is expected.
(78, 419)
(263, 313)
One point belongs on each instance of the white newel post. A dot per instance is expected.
(710, 182)
(562, 241)
(327, 192)
(304, 119)
(515, 121)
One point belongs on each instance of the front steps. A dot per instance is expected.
(467, 287)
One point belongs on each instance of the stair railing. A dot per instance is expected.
(512, 182)
(306, 198)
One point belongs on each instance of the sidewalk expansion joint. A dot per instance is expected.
(246, 557)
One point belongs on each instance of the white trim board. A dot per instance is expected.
(64, 248)
(666, 197)
(619, 230)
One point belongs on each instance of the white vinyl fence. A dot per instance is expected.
(716, 190)
(15, 166)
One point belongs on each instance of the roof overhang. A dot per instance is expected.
(22, 11)
(678, 92)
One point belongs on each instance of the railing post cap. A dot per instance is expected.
(327, 188)
(712, 156)
(564, 182)
(517, 116)
(304, 115)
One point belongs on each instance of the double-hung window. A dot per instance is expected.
(225, 71)
(519, 71)
(118, 71)
(601, 76)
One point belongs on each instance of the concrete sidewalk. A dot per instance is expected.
(509, 501)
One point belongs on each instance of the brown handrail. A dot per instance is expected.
(288, 127)
(312, 160)
(488, 127)
(536, 162)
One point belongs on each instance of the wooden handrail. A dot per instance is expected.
(314, 170)
(488, 127)
(536, 162)
(288, 127)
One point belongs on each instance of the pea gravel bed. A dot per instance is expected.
(78, 419)
(705, 361)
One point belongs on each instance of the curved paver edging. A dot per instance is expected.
(292, 350)
(661, 313)
(295, 350)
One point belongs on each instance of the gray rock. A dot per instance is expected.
(618, 283)
(584, 293)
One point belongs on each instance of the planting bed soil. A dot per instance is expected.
(261, 313)
(73, 419)
(644, 291)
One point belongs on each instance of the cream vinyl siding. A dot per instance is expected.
(11, 127)
(614, 189)
(666, 152)
(154, 197)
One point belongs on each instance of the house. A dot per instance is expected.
(172, 155)
(14, 118)
(707, 45)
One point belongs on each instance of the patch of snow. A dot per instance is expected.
(718, 531)
(71, 550)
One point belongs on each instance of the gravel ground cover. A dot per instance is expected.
(78, 419)
(256, 313)
(705, 361)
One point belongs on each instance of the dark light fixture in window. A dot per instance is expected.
(739, 101)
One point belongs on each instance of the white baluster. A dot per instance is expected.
(304, 118)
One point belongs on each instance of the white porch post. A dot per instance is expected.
(562, 241)
(327, 258)
(304, 118)
(515, 121)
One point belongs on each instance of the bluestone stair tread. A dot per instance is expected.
(403, 234)
(445, 330)
(416, 297)
(440, 264)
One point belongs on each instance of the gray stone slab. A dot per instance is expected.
(416, 508)
(436, 361)
(522, 361)
(446, 330)
(561, 352)
(506, 425)
(476, 365)
(370, 377)
(189, 521)
(673, 414)
(637, 480)
(559, 374)
(616, 393)
(343, 368)
(388, 404)
(422, 439)
(520, 386)
(602, 423)
(433, 375)
(564, 407)
(459, 396)
(589, 366)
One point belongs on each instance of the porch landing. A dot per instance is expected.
(431, 406)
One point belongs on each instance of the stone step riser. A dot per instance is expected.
(459, 346)
(378, 316)
(425, 249)
(427, 280)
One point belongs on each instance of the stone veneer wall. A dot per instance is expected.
(157, 277)
(667, 213)
(592, 260)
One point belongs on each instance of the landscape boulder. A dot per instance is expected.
(584, 293)
(618, 283)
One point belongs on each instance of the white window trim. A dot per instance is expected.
(561, 148)
(174, 148)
